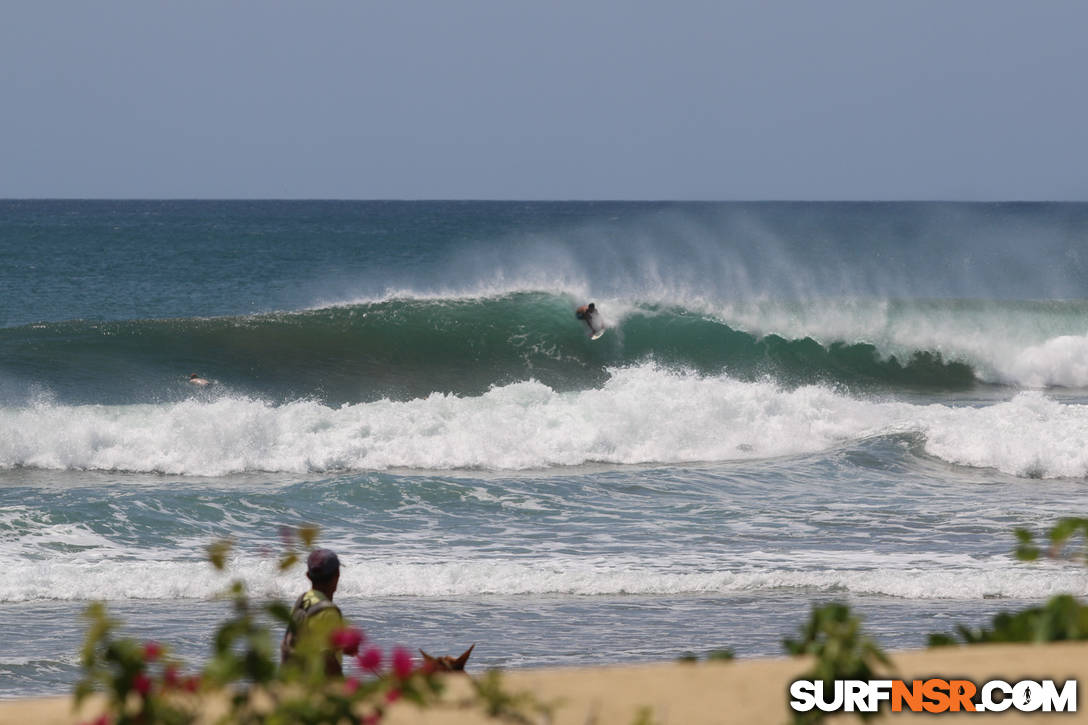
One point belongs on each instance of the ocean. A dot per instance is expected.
(793, 403)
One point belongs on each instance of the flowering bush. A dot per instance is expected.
(144, 685)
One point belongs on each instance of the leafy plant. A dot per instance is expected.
(142, 683)
(718, 655)
(1059, 535)
(721, 655)
(144, 686)
(1061, 618)
(497, 702)
(833, 637)
(645, 716)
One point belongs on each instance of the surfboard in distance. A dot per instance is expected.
(596, 335)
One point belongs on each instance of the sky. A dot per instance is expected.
(559, 99)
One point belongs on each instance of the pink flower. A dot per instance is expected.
(402, 663)
(192, 684)
(392, 696)
(170, 676)
(351, 685)
(372, 719)
(142, 684)
(347, 639)
(371, 659)
(152, 651)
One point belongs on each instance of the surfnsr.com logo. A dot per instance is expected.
(933, 695)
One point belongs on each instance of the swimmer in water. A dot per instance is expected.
(195, 379)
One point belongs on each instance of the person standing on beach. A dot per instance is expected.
(315, 618)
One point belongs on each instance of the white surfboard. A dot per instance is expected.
(596, 335)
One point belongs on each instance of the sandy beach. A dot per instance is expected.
(743, 691)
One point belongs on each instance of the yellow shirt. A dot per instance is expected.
(314, 628)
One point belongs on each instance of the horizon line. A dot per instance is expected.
(484, 200)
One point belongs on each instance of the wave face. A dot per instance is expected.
(403, 349)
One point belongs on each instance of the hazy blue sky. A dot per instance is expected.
(557, 99)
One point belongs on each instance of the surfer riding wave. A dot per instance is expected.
(589, 315)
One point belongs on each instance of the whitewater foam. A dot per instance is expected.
(1030, 435)
(642, 414)
(1061, 360)
(67, 579)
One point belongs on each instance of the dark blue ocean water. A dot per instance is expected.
(791, 403)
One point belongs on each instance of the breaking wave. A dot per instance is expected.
(403, 349)
(641, 414)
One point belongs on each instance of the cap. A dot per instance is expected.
(322, 564)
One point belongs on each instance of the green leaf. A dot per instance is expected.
(217, 553)
(1062, 618)
(1027, 553)
(308, 534)
(279, 611)
(833, 636)
(84, 688)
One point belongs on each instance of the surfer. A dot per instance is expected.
(586, 313)
(195, 379)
